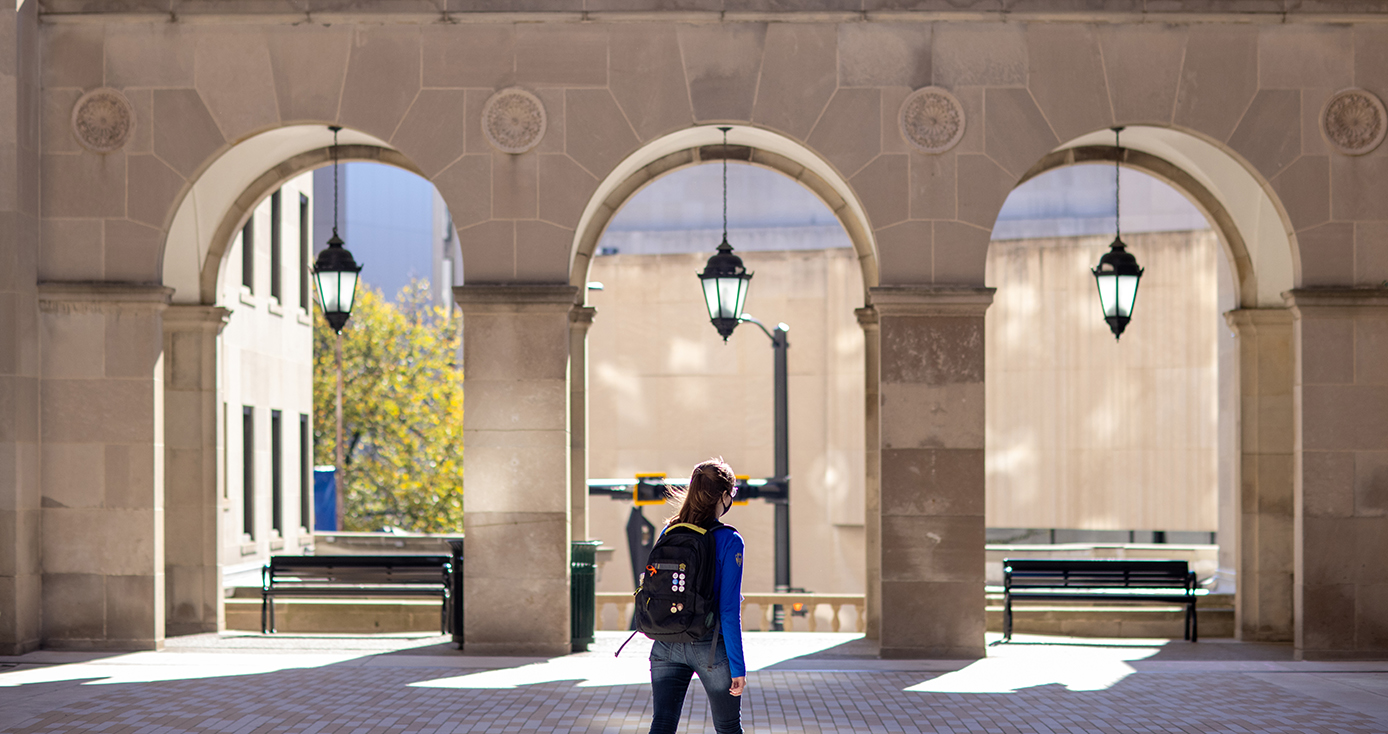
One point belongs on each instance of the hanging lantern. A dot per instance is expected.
(725, 282)
(335, 271)
(1118, 273)
(725, 279)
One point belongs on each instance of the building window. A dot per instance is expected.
(248, 471)
(276, 472)
(304, 226)
(226, 455)
(305, 474)
(276, 230)
(248, 254)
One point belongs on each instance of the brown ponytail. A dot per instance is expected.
(699, 504)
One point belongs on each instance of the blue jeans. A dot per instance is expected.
(671, 665)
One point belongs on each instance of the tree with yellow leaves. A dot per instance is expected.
(402, 412)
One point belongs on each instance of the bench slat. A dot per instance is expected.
(311, 591)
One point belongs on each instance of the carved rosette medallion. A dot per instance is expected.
(932, 120)
(1354, 121)
(103, 120)
(513, 120)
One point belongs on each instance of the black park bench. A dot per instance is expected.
(317, 577)
(1165, 582)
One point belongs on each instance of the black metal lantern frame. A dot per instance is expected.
(336, 272)
(1118, 274)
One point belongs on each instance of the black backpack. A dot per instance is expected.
(678, 597)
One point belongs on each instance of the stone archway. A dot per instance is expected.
(692, 147)
(201, 231)
(1256, 519)
(830, 83)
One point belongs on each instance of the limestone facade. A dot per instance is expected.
(263, 388)
(231, 100)
(1085, 431)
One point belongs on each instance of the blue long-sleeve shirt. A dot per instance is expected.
(728, 549)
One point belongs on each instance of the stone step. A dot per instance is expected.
(1105, 618)
(340, 616)
(1112, 621)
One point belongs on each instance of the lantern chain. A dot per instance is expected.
(725, 182)
(335, 129)
(1117, 185)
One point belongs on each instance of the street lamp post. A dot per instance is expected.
(779, 344)
(335, 273)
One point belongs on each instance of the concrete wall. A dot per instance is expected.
(1088, 432)
(665, 393)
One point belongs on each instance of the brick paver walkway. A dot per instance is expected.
(806, 683)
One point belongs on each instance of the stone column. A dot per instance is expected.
(516, 442)
(1263, 599)
(931, 470)
(192, 497)
(20, 513)
(102, 414)
(580, 318)
(1341, 473)
(872, 516)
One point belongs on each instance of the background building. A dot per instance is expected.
(1093, 439)
(266, 360)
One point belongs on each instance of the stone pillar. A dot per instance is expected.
(931, 470)
(516, 441)
(192, 498)
(1263, 600)
(580, 318)
(872, 516)
(20, 513)
(1341, 473)
(102, 414)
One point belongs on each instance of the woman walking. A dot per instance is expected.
(718, 657)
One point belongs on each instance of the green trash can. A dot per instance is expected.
(583, 590)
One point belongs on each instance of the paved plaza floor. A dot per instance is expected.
(799, 682)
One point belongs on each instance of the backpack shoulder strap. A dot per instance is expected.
(691, 526)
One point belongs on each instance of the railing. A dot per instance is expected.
(813, 603)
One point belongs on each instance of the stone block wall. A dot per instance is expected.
(21, 616)
(1238, 106)
(1340, 491)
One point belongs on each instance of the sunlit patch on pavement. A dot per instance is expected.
(1090, 665)
(149, 667)
(600, 668)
